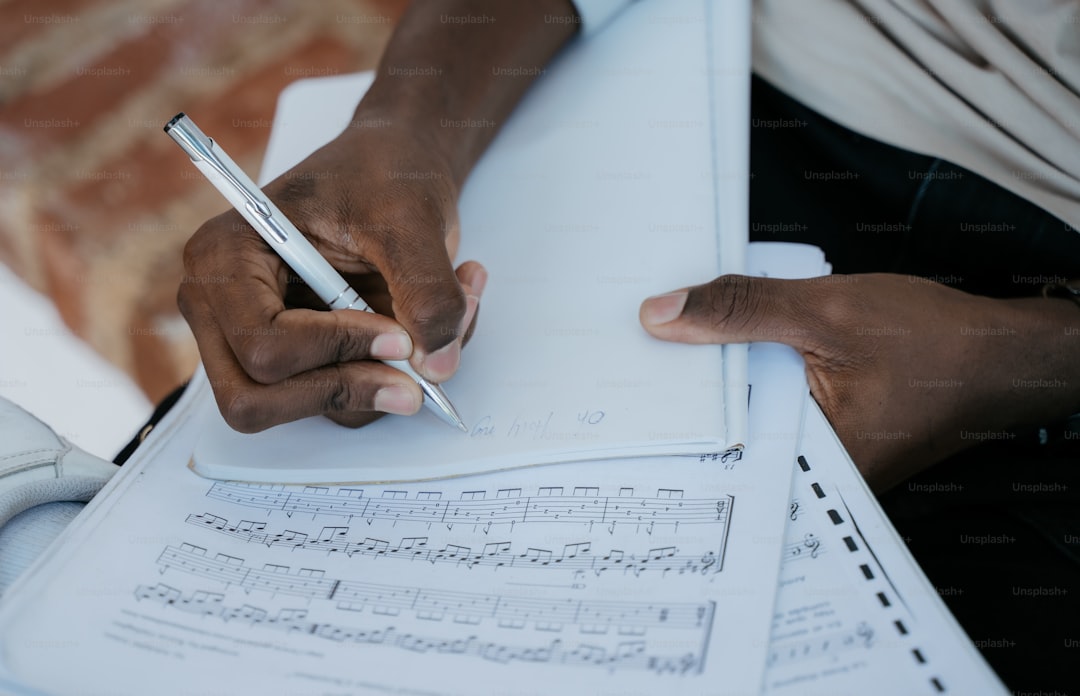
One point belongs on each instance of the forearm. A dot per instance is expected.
(1037, 366)
(455, 69)
(994, 368)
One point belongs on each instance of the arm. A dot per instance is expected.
(454, 71)
(380, 202)
(907, 371)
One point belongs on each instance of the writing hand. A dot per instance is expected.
(906, 370)
(383, 211)
(380, 203)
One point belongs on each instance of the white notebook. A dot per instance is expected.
(600, 191)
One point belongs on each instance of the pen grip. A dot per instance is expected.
(402, 365)
(287, 241)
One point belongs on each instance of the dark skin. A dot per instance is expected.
(907, 371)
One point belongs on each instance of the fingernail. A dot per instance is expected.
(478, 281)
(397, 399)
(663, 308)
(394, 345)
(443, 363)
(471, 303)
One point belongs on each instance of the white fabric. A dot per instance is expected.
(27, 534)
(991, 85)
(37, 466)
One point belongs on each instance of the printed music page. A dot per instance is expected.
(637, 576)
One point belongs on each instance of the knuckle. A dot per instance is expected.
(261, 359)
(201, 246)
(185, 303)
(733, 301)
(437, 321)
(243, 411)
(349, 341)
(343, 397)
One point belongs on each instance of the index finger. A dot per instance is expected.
(428, 299)
(270, 341)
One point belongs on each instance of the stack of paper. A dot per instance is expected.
(635, 576)
(742, 571)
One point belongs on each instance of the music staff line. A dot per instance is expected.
(597, 617)
(861, 636)
(807, 547)
(618, 654)
(480, 511)
(576, 557)
(730, 455)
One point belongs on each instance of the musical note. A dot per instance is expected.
(537, 556)
(615, 652)
(822, 645)
(498, 554)
(250, 526)
(808, 547)
(668, 508)
(288, 538)
(312, 584)
(572, 550)
(732, 455)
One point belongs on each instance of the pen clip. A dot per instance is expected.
(200, 146)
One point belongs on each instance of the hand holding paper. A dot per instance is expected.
(902, 366)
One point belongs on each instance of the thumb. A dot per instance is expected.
(730, 309)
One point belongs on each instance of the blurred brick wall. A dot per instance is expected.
(96, 201)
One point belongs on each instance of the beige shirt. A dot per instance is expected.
(991, 85)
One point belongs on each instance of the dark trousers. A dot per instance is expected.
(996, 528)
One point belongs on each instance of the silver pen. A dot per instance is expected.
(288, 242)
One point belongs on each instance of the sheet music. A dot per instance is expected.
(603, 185)
(632, 576)
(854, 613)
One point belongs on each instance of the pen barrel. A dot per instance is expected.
(350, 299)
(277, 231)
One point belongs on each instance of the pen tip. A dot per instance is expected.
(462, 427)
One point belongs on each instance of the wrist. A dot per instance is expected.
(1041, 374)
(454, 70)
(404, 125)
